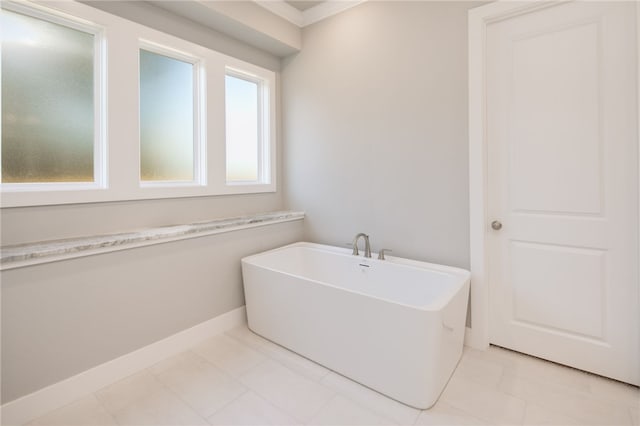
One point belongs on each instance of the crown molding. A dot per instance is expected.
(327, 9)
(309, 16)
(242, 20)
(283, 10)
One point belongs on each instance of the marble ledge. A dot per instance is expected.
(17, 256)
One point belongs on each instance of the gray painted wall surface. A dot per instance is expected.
(31, 224)
(62, 318)
(375, 129)
(375, 132)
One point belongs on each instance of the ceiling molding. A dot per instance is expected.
(283, 10)
(309, 16)
(232, 20)
(327, 9)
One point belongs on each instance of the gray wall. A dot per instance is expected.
(30, 224)
(375, 132)
(62, 318)
(375, 129)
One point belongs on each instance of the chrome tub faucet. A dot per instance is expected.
(367, 246)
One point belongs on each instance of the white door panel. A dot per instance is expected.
(563, 181)
(544, 276)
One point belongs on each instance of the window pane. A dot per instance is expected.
(166, 118)
(242, 123)
(47, 101)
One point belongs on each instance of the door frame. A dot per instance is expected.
(477, 336)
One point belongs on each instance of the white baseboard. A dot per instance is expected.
(32, 406)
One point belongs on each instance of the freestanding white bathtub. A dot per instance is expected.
(395, 325)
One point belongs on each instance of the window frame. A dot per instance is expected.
(264, 135)
(120, 130)
(99, 98)
(199, 128)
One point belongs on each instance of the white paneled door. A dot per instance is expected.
(562, 158)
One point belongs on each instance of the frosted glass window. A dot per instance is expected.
(47, 101)
(166, 118)
(242, 128)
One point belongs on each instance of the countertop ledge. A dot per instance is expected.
(17, 256)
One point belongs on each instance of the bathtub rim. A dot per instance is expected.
(463, 275)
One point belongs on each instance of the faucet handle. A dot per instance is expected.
(381, 253)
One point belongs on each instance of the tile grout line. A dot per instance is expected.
(264, 398)
(172, 392)
(296, 374)
(335, 395)
(630, 415)
(262, 350)
(373, 410)
(246, 391)
(565, 389)
(129, 404)
(376, 412)
(109, 413)
(176, 394)
(268, 358)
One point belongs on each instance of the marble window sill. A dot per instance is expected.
(21, 255)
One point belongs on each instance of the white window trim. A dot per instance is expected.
(99, 101)
(199, 119)
(121, 153)
(264, 125)
(267, 81)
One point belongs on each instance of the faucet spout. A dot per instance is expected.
(367, 246)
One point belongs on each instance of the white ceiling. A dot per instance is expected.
(303, 5)
(306, 12)
(226, 18)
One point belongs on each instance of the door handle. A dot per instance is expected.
(496, 224)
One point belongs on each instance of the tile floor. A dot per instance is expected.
(239, 378)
